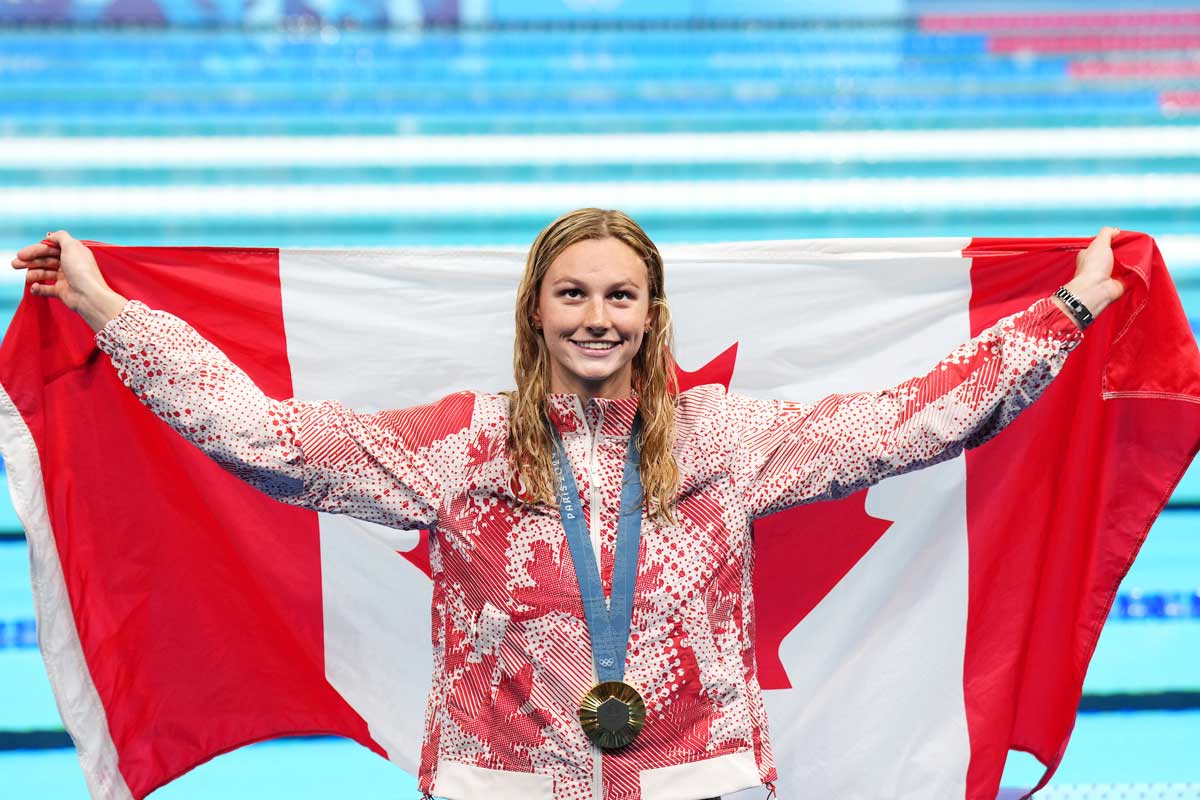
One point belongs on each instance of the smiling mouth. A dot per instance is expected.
(595, 346)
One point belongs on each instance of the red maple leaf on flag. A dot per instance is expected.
(799, 554)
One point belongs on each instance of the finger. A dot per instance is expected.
(44, 262)
(43, 289)
(35, 275)
(59, 240)
(1107, 232)
(35, 251)
(39, 249)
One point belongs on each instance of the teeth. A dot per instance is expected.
(597, 345)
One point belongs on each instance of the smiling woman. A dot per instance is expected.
(591, 550)
(592, 293)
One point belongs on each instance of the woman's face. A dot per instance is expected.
(594, 310)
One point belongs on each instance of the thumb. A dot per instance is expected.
(57, 238)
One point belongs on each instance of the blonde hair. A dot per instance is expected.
(530, 445)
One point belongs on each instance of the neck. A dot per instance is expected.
(615, 387)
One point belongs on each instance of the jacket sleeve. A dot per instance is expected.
(792, 453)
(385, 467)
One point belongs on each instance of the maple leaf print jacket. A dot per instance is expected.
(511, 654)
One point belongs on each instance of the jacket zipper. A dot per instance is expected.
(595, 511)
(594, 515)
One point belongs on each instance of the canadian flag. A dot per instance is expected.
(909, 635)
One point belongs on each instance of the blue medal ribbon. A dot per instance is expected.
(607, 623)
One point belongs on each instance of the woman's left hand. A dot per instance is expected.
(1093, 283)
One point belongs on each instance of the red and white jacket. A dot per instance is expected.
(511, 655)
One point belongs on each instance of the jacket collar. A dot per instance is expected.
(569, 415)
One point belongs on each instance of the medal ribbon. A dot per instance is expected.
(607, 623)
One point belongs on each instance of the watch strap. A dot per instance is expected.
(1078, 310)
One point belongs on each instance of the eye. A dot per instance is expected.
(624, 295)
(568, 293)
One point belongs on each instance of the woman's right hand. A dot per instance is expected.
(61, 266)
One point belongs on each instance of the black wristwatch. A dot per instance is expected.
(1078, 310)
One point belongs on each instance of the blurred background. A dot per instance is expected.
(370, 123)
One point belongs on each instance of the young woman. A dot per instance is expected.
(593, 614)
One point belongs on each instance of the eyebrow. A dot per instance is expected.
(622, 284)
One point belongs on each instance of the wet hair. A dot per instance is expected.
(530, 445)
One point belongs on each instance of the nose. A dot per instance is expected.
(595, 317)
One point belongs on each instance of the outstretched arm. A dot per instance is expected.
(385, 467)
(793, 453)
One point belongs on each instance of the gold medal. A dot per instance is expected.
(612, 713)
